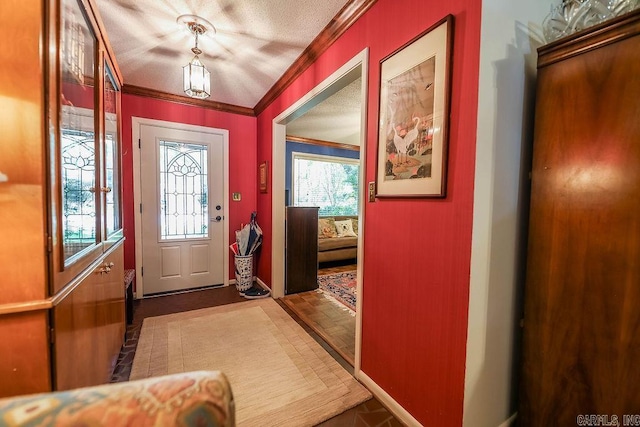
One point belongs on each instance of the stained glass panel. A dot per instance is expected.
(184, 210)
(78, 130)
(78, 191)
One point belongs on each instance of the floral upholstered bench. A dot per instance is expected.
(201, 398)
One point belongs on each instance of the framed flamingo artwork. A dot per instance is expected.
(414, 110)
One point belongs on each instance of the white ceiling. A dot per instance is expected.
(255, 42)
(336, 119)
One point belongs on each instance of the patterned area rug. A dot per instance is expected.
(340, 287)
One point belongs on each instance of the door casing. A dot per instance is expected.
(358, 64)
(136, 123)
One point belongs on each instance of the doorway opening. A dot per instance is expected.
(354, 70)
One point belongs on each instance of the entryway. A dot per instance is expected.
(181, 229)
(355, 68)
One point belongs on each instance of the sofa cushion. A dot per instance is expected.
(338, 255)
(337, 243)
(345, 228)
(201, 398)
(327, 228)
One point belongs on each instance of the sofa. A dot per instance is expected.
(337, 238)
(201, 398)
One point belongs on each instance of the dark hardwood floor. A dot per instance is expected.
(335, 325)
(369, 413)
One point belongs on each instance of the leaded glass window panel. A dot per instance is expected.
(184, 209)
(78, 191)
(77, 130)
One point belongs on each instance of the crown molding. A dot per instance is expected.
(311, 141)
(353, 10)
(164, 96)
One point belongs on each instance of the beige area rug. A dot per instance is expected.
(279, 375)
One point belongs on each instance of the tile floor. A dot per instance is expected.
(370, 413)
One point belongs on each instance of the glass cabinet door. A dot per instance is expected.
(77, 131)
(111, 184)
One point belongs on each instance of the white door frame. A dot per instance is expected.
(136, 123)
(359, 62)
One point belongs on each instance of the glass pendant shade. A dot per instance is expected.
(196, 79)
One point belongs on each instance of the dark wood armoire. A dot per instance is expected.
(581, 348)
(301, 262)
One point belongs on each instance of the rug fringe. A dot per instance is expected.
(336, 302)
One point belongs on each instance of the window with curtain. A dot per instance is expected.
(325, 181)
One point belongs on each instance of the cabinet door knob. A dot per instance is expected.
(106, 189)
(106, 268)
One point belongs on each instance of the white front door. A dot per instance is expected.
(182, 208)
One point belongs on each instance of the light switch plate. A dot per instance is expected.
(372, 191)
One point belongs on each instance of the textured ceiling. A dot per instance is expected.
(255, 42)
(336, 119)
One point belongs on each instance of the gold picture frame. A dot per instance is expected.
(263, 176)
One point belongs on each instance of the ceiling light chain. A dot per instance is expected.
(197, 30)
(196, 78)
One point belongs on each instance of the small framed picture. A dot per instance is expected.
(414, 115)
(263, 174)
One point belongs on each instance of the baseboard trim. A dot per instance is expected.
(261, 283)
(255, 279)
(394, 407)
(509, 422)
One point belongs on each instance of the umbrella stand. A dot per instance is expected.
(248, 240)
(244, 272)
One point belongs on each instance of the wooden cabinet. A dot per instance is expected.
(83, 106)
(301, 262)
(90, 321)
(61, 323)
(581, 320)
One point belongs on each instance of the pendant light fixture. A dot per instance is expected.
(196, 78)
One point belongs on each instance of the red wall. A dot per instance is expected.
(242, 158)
(417, 252)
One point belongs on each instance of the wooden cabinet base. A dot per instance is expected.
(24, 353)
(89, 326)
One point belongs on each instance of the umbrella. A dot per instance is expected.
(255, 235)
(248, 238)
(242, 237)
